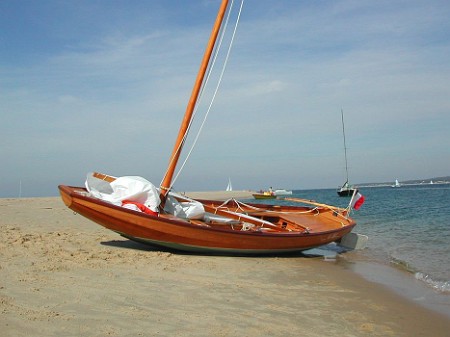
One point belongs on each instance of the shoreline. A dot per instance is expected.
(220, 195)
(63, 274)
(403, 283)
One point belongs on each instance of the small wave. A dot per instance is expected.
(440, 286)
(402, 265)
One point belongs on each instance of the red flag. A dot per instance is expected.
(357, 200)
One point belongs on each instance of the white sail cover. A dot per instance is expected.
(140, 190)
(132, 188)
(188, 209)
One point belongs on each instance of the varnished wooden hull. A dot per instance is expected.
(168, 231)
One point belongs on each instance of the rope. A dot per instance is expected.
(200, 97)
(217, 86)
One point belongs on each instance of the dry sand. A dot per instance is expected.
(62, 275)
(221, 195)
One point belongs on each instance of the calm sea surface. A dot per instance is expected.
(408, 230)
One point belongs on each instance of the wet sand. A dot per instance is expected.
(63, 275)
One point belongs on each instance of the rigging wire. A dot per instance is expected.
(200, 97)
(217, 86)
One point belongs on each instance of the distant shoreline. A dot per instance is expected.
(247, 194)
(220, 195)
(405, 184)
(208, 195)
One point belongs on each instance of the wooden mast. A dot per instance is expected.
(165, 184)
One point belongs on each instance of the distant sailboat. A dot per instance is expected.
(397, 184)
(345, 190)
(229, 186)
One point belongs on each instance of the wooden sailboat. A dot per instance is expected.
(230, 227)
(346, 190)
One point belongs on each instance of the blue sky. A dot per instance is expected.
(103, 85)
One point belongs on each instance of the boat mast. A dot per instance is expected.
(345, 146)
(165, 184)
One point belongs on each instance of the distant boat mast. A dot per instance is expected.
(345, 145)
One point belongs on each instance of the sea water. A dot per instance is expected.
(408, 230)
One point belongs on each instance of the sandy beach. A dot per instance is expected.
(63, 275)
(220, 195)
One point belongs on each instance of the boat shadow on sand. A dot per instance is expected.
(325, 252)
